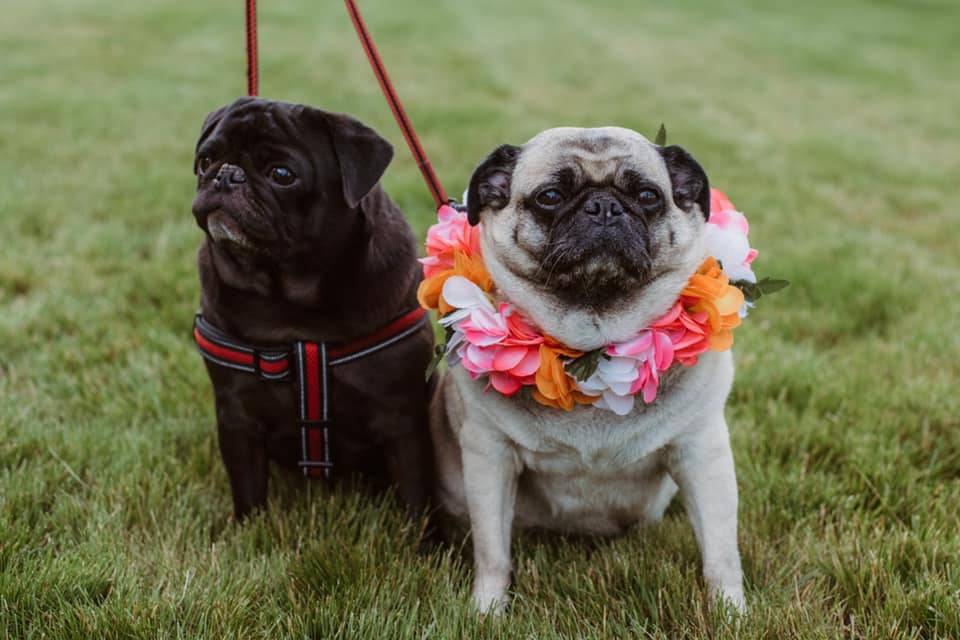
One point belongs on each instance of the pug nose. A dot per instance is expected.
(229, 176)
(603, 208)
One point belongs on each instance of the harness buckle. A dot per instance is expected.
(271, 366)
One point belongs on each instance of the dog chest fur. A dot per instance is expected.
(587, 470)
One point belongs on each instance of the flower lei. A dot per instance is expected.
(493, 339)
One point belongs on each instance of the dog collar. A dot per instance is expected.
(492, 339)
(308, 364)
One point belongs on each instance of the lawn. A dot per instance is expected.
(832, 125)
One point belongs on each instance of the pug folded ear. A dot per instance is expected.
(363, 154)
(490, 184)
(689, 180)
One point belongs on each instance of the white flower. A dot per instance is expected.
(620, 405)
(732, 249)
(726, 240)
(612, 381)
(465, 296)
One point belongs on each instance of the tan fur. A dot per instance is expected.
(505, 461)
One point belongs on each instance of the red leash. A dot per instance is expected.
(252, 48)
(399, 114)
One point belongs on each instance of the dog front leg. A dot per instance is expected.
(702, 465)
(245, 457)
(490, 472)
(410, 463)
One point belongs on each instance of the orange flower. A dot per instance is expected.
(709, 291)
(470, 267)
(555, 387)
(428, 293)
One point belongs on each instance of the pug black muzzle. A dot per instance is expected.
(598, 246)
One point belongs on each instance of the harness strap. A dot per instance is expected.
(308, 364)
(218, 347)
(314, 392)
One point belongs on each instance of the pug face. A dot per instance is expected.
(592, 232)
(278, 181)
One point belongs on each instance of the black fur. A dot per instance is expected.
(327, 258)
(594, 221)
(490, 184)
(690, 183)
(363, 155)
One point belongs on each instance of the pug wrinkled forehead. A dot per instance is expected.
(613, 156)
(590, 215)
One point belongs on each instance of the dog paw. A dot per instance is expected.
(490, 595)
(730, 598)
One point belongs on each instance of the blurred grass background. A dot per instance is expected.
(832, 125)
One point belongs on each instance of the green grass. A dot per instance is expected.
(833, 125)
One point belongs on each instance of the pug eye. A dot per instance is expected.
(281, 175)
(648, 197)
(549, 198)
(204, 164)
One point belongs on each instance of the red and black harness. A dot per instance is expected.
(308, 364)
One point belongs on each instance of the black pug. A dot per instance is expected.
(302, 244)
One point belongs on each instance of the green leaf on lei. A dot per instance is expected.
(439, 351)
(661, 136)
(753, 291)
(586, 365)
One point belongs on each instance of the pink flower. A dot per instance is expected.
(635, 366)
(494, 342)
(650, 344)
(648, 382)
(628, 368)
(451, 234)
(688, 333)
(484, 328)
(653, 349)
(476, 359)
(513, 368)
(725, 215)
(520, 331)
(509, 367)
